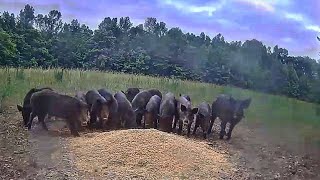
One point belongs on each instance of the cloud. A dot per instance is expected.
(313, 28)
(305, 22)
(209, 8)
(287, 39)
(293, 16)
(258, 4)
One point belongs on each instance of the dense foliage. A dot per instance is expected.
(30, 40)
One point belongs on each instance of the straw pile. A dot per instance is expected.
(147, 154)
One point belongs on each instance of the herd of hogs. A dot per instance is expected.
(134, 108)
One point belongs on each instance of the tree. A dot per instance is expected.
(26, 17)
(7, 49)
(151, 48)
(50, 24)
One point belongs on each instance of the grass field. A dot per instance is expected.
(280, 114)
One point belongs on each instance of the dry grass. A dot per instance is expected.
(148, 154)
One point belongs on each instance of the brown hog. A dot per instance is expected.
(167, 112)
(228, 110)
(184, 114)
(139, 104)
(151, 114)
(131, 93)
(99, 109)
(25, 109)
(125, 112)
(48, 102)
(113, 121)
(203, 119)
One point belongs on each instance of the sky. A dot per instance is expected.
(291, 24)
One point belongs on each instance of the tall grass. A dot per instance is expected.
(275, 112)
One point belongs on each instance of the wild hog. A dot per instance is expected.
(112, 122)
(125, 112)
(99, 108)
(131, 93)
(155, 92)
(167, 112)
(186, 96)
(184, 114)
(25, 109)
(151, 113)
(228, 110)
(139, 104)
(47, 102)
(203, 119)
(81, 96)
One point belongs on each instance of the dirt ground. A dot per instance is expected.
(146, 154)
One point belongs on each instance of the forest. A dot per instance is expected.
(30, 40)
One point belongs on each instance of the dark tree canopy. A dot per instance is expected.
(43, 40)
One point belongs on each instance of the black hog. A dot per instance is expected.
(113, 122)
(48, 102)
(203, 119)
(99, 108)
(131, 93)
(139, 104)
(228, 110)
(167, 112)
(125, 112)
(155, 92)
(186, 96)
(151, 113)
(25, 109)
(184, 114)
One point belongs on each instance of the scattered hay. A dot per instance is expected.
(147, 154)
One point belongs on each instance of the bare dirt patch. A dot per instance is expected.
(148, 154)
(14, 147)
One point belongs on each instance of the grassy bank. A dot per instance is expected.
(275, 112)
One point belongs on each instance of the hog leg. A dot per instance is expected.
(32, 116)
(230, 130)
(195, 127)
(188, 129)
(41, 119)
(211, 125)
(72, 127)
(180, 126)
(222, 130)
(139, 119)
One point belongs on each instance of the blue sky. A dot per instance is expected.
(292, 24)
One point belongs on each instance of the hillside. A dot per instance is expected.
(279, 137)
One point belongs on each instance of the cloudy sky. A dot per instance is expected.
(292, 24)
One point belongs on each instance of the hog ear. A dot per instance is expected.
(183, 107)
(194, 110)
(245, 103)
(20, 108)
(123, 92)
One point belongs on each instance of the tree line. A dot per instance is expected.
(30, 40)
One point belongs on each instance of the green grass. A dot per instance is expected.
(275, 112)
